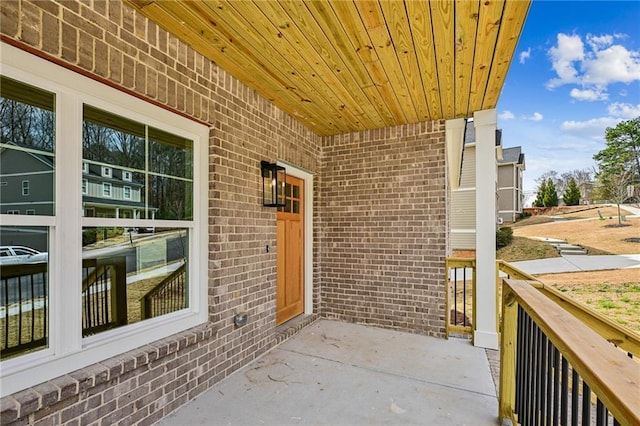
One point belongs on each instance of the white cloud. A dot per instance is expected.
(506, 115)
(593, 66)
(615, 64)
(535, 117)
(599, 42)
(589, 94)
(569, 50)
(626, 111)
(524, 56)
(592, 129)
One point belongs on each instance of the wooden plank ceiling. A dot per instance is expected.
(344, 66)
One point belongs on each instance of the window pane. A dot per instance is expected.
(27, 144)
(135, 171)
(132, 274)
(170, 155)
(112, 140)
(170, 198)
(24, 289)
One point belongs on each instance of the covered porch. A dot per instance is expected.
(364, 101)
(341, 373)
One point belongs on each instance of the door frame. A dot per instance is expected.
(307, 177)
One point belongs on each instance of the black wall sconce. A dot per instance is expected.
(273, 179)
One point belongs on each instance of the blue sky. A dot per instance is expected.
(576, 72)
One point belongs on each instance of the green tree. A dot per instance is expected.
(542, 189)
(622, 152)
(571, 194)
(550, 197)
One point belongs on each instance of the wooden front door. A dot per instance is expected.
(290, 273)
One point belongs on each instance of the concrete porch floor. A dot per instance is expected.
(335, 373)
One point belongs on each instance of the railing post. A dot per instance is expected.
(447, 314)
(474, 296)
(509, 326)
(119, 309)
(498, 298)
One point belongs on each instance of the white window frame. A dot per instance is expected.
(25, 188)
(30, 212)
(67, 350)
(126, 175)
(107, 190)
(107, 171)
(85, 186)
(13, 211)
(85, 167)
(126, 192)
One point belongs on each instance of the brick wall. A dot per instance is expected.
(108, 40)
(383, 237)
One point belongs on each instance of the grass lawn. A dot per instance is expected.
(526, 249)
(614, 293)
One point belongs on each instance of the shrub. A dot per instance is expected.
(504, 237)
(523, 215)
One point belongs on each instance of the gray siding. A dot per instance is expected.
(463, 209)
(468, 173)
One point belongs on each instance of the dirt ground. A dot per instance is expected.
(591, 233)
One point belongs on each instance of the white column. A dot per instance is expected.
(486, 334)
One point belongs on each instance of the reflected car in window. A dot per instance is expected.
(10, 255)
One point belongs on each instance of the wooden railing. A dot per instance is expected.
(561, 362)
(551, 363)
(169, 295)
(461, 285)
(104, 294)
(608, 329)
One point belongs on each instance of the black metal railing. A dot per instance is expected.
(169, 295)
(24, 298)
(556, 398)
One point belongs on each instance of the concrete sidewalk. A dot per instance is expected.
(334, 373)
(635, 211)
(578, 263)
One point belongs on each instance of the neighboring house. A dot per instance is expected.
(510, 190)
(111, 192)
(509, 195)
(364, 232)
(27, 187)
(463, 198)
(26, 182)
(586, 192)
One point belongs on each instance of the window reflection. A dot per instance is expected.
(27, 141)
(24, 289)
(133, 170)
(132, 274)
